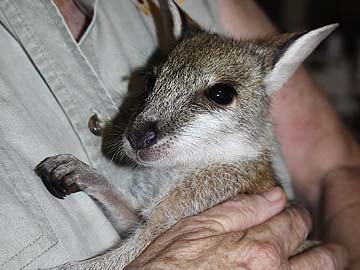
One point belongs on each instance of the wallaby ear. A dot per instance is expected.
(291, 52)
(176, 21)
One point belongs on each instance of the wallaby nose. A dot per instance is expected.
(142, 139)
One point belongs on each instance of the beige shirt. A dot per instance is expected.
(49, 87)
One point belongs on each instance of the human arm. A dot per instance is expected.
(341, 217)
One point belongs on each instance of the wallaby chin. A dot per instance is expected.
(187, 150)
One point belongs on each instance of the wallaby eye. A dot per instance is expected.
(149, 79)
(221, 94)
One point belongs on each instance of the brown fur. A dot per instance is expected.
(203, 153)
(253, 177)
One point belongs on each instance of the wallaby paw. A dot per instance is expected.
(67, 266)
(65, 174)
(91, 264)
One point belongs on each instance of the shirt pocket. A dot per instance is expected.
(25, 232)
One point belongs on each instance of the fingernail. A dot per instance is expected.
(274, 195)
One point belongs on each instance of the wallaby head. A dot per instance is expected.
(210, 101)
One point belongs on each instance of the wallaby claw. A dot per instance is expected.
(63, 175)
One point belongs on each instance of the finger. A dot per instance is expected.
(329, 256)
(240, 213)
(283, 233)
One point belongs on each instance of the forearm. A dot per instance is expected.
(342, 210)
(312, 137)
(244, 19)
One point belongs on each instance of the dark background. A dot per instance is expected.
(336, 63)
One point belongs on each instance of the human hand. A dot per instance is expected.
(243, 233)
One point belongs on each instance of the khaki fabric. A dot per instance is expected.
(49, 87)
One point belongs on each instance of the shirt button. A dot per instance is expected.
(96, 125)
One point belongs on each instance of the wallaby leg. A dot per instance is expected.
(65, 174)
(175, 204)
(157, 223)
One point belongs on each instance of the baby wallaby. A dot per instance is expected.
(202, 135)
